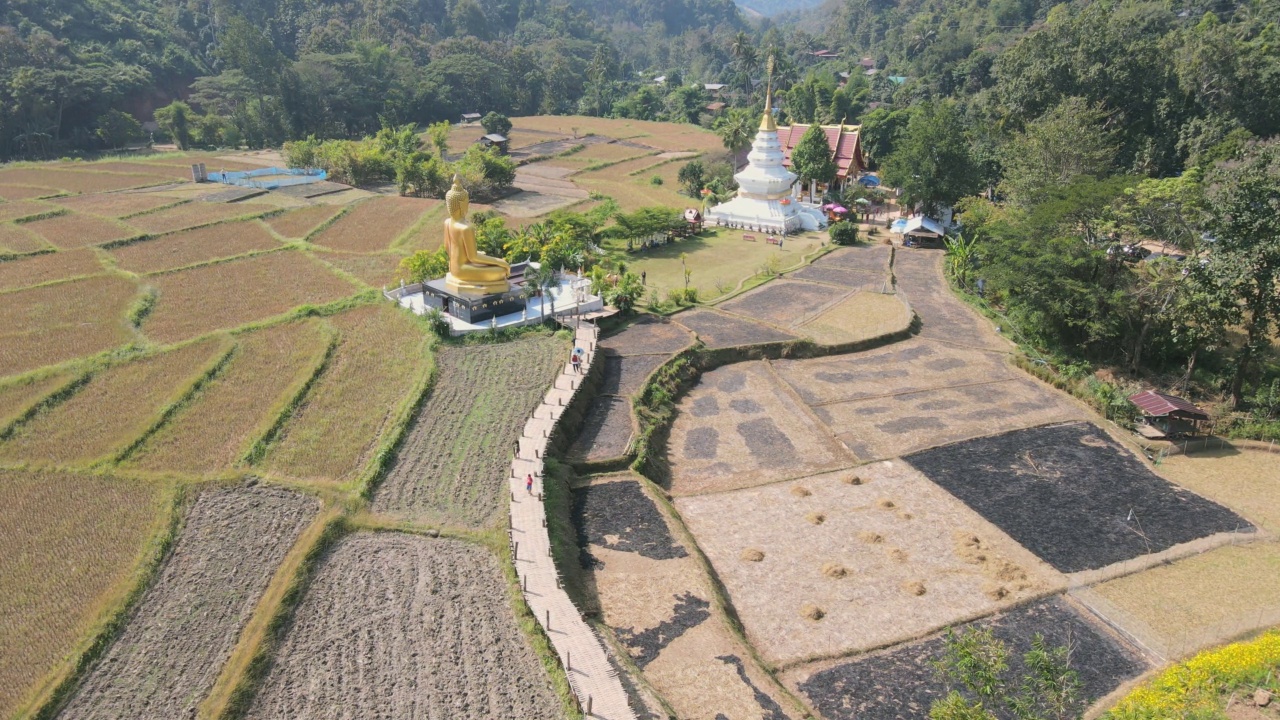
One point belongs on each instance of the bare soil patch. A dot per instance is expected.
(900, 682)
(861, 316)
(1072, 495)
(72, 547)
(220, 423)
(115, 205)
(1245, 480)
(870, 281)
(648, 335)
(453, 464)
(191, 247)
(625, 375)
(226, 295)
(42, 269)
(654, 597)
(175, 642)
(944, 316)
(890, 559)
(738, 428)
(50, 324)
(403, 626)
(194, 214)
(379, 360)
(300, 222)
(373, 225)
(74, 230)
(16, 239)
(131, 393)
(606, 431)
(785, 303)
(721, 330)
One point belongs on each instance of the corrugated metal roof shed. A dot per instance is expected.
(1154, 404)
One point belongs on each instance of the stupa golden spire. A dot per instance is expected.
(766, 122)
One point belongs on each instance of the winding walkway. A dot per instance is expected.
(593, 679)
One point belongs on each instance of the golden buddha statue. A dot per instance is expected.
(470, 271)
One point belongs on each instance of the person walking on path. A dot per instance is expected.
(644, 275)
(528, 483)
(576, 362)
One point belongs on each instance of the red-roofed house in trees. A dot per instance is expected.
(845, 144)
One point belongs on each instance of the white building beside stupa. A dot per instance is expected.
(766, 201)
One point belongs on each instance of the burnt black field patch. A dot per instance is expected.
(702, 443)
(606, 430)
(1072, 495)
(901, 683)
(767, 443)
(648, 335)
(620, 516)
(645, 645)
(625, 374)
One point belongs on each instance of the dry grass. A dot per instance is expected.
(216, 429)
(231, 294)
(25, 192)
(51, 324)
(77, 181)
(738, 427)
(378, 271)
(633, 193)
(195, 213)
(373, 225)
(73, 545)
(19, 397)
(429, 235)
(300, 222)
(635, 166)
(1247, 481)
(74, 230)
(116, 205)
(130, 394)
(900, 579)
(666, 136)
(172, 172)
(41, 269)
(379, 359)
(23, 209)
(191, 247)
(860, 316)
(13, 238)
(605, 152)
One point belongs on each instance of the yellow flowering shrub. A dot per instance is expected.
(1193, 688)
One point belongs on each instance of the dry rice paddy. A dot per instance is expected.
(1246, 480)
(77, 181)
(74, 230)
(23, 209)
(738, 428)
(666, 136)
(373, 225)
(72, 544)
(301, 222)
(606, 153)
(380, 358)
(40, 269)
(48, 325)
(194, 214)
(222, 421)
(884, 554)
(14, 239)
(25, 192)
(115, 205)
(191, 247)
(18, 398)
(113, 409)
(861, 316)
(265, 286)
(378, 271)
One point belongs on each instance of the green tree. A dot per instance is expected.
(811, 159)
(1067, 143)
(880, 130)
(116, 129)
(932, 164)
(737, 130)
(175, 120)
(692, 176)
(426, 265)
(469, 19)
(843, 233)
(438, 132)
(496, 123)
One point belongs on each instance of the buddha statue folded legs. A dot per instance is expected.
(470, 271)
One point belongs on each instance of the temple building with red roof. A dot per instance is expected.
(845, 144)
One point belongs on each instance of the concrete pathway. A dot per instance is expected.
(591, 676)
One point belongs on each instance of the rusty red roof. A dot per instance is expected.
(1156, 404)
(845, 143)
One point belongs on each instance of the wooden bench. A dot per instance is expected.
(773, 241)
(752, 238)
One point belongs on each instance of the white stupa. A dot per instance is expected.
(765, 201)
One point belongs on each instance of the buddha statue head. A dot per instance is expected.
(457, 200)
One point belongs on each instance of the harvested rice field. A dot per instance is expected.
(900, 682)
(633, 167)
(373, 225)
(396, 625)
(1245, 480)
(654, 597)
(945, 317)
(863, 267)
(785, 303)
(225, 554)
(456, 456)
(266, 285)
(50, 267)
(192, 247)
(624, 375)
(222, 421)
(77, 181)
(666, 136)
(299, 223)
(1073, 496)
(51, 324)
(12, 193)
(606, 431)
(881, 553)
(380, 358)
(860, 316)
(648, 335)
(20, 397)
(18, 240)
(606, 153)
(377, 271)
(115, 205)
(194, 214)
(74, 545)
(24, 209)
(721, 330)
(739, 427)
(132, 394)
(73, 230)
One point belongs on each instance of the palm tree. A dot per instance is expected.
(737, 129)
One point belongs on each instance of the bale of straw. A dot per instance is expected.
(752, 555)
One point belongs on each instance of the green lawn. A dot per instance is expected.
(719, 258)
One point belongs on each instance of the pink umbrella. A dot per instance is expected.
(840, 209)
